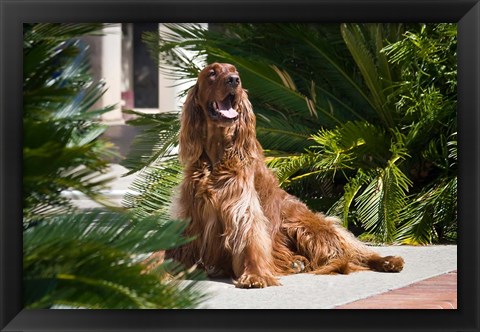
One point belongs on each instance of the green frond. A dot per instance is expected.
(379, 205)
(431, 215)
(169, 48)
(279, 133)
(87, 259)
(92, 260)
(286, 167)
(351, 189)
(357, 44)
(158, 138)
(353, 145)
(327, 56)
(62, 148)
(151, 191)
(453, 149)
(121, 231)
(54, 32)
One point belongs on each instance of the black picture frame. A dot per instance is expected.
(13, 13)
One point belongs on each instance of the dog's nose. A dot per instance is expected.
(233, 80)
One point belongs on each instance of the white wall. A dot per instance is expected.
(112, 71)
(105, 60)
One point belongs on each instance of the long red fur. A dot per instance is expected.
(245, 226)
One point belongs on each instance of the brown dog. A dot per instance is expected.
(244, 225)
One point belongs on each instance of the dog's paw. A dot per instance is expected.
(392, 264)
(256, 281)
(300, 264)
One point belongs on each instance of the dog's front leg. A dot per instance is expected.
(254, 268)
(252, 252)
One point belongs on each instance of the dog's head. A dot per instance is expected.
(217, 100)
(219, 92)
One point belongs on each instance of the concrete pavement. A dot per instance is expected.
(305, 291)
(118, 187)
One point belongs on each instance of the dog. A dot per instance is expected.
(243, 224)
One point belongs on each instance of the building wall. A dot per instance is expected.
(133, 81)
(105, 62)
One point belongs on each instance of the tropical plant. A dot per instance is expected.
(357, 119)
(60, 145)
(286, 117)
(153, 157)
(428, 100)
(82, 258)
(91, 260)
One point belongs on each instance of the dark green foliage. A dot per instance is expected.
(428, 102)
(154, 157)
(159, 137)
(90, 260)
(72, 258)
(61, 149)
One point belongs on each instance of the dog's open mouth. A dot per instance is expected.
(223, 109)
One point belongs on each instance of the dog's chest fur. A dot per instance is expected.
(220, 197)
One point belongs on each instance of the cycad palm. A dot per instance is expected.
(91, 260)
(60, 146)
(88, 259)
(347, 114)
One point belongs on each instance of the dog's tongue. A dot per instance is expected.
(225, 108)
(230, 113)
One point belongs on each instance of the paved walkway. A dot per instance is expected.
(118, 187)
(305, 291)
(428, 279)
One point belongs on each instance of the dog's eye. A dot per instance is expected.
(212, 73)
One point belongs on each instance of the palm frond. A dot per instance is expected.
(88, 259)
(431, 215)
(61, 146)
(285, 167)
(353, 145)
(279, 133)
(158, 138)
(353, 187)
(453, 149)
(121, 231)
(172, 49)
(379, 205)
(152, 189)
(92, 260)
(323, 50)
(357, 45)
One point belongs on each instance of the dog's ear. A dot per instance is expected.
(246, 135)
(192, 127)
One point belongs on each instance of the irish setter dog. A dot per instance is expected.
(245, 226)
